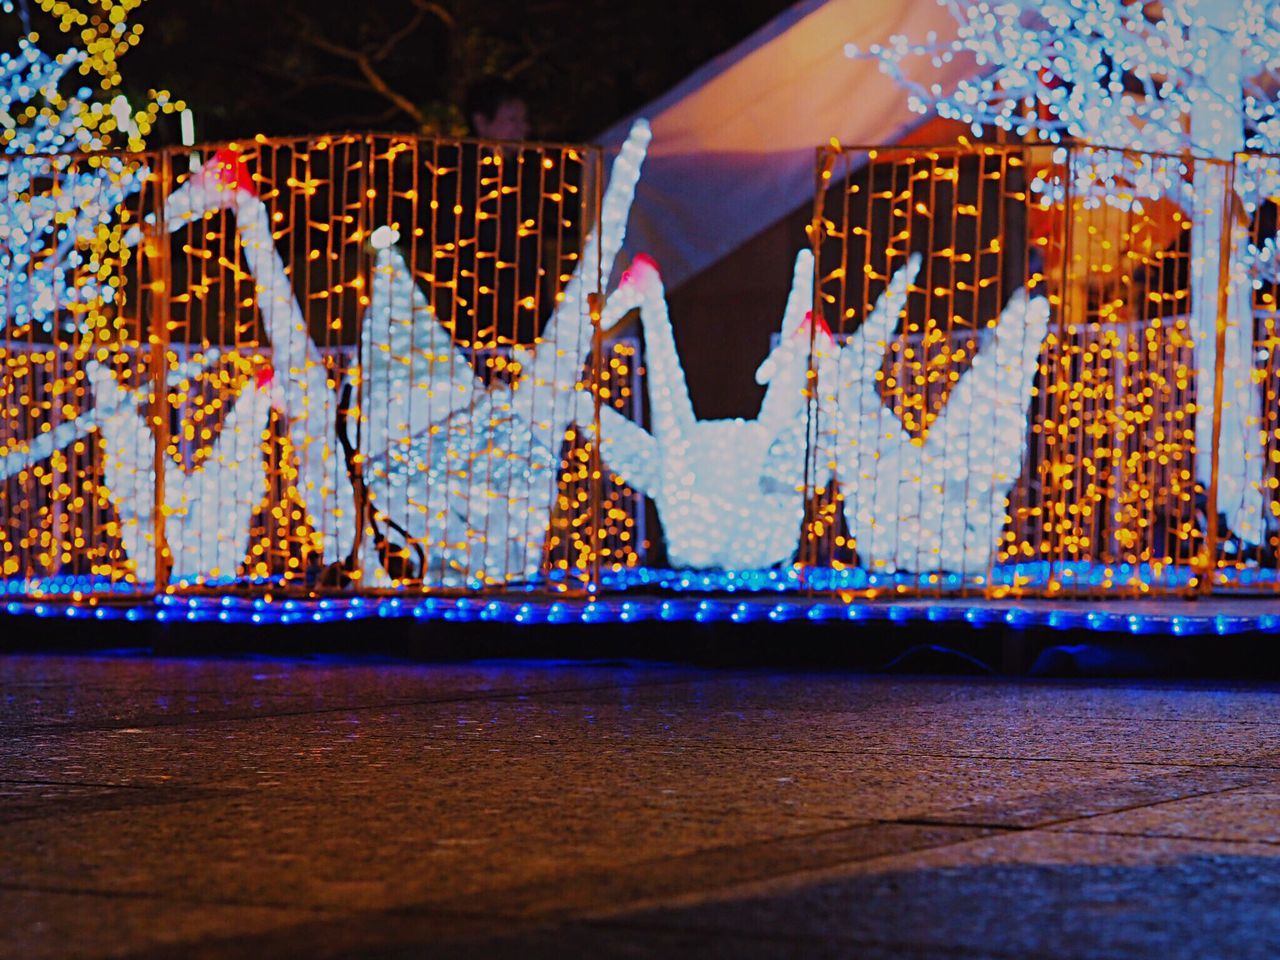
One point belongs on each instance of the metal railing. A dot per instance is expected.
(375, 363)
(1063, 394)
(368, 344)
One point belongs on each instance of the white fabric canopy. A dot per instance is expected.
(733, 144)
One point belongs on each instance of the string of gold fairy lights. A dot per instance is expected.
(1110, 462)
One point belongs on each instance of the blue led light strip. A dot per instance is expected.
(695, 597)
(180, 609)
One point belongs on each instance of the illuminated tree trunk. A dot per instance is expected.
(1217, 133)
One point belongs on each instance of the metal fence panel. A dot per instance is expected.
(1012, 399)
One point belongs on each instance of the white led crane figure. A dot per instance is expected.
(730, 493)
(208, 510)
(470, 471)
(215, 496)
(478, 459)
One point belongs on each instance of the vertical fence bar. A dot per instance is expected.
(596, 305)
(1066, 306)
(824, 161)
(158, 340)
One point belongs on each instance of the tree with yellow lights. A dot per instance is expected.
(71, 170)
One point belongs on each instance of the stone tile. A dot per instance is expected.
(55, 925)
(1250, 814)
(535, 919)
(367, 935)
(386, 809)
(962, 732)
(365, 852)
(1026, 894)
(412, 937)
(704, 871)
(823, 693)
(793, 692)
(629, 941)
(307, 756)
(310, 674)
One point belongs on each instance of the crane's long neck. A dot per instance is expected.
(564, 343)
(784, 371)
(310, 404)
(670, 410)
(292, 348)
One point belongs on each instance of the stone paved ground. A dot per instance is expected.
(269, 808)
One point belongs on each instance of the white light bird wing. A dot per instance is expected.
(973, 453)
(628, 450)
(209, 509)
(873, 454)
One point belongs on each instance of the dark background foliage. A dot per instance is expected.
(282, 67)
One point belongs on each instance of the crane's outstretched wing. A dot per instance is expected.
(628, 450)
(208, 511)
(973, 453)
(411, 374)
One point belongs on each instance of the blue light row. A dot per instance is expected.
(177, 609)
(1027, 576)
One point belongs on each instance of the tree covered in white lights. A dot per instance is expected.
(60, 209)
(1196, 79)
(46, 228)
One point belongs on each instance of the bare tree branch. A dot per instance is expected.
(393, 41)
(437, 11)
(535, 54)
(299, 84)
(366, 68)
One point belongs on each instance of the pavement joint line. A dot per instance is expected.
(632, 874)
(196, 719)
(1155, 835)
(1103, 761)
(1193, 721)
(1155, 803)
(163, 897)
(427, 908)
(1062, 821)
(158, 691)
(928, 711)
(862, 751)
(976, 825)
(83, 783)
(96, 806)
